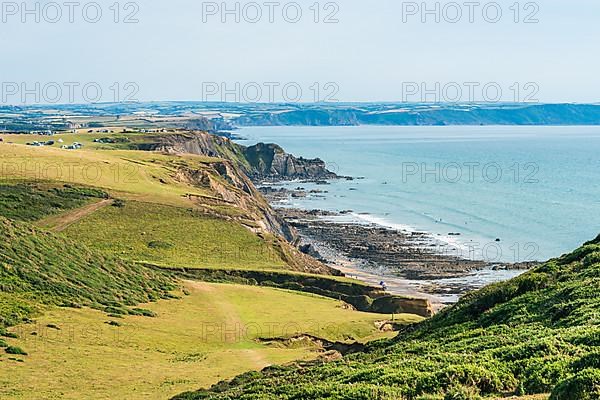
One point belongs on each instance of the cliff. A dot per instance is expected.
(271, 162)
(231, 179)
(260, 162)
(231, 187)
(417, 114)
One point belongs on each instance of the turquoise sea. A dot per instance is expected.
(505, 193)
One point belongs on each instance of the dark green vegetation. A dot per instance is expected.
(38, 268)
(534, 334)
(33, 201)
(15, 350)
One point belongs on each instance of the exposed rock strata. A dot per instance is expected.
(260, 162)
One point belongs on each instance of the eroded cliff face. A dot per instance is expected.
(271, 162)
(260, 162)
(230, 180)
(232, 190)
(232, 187)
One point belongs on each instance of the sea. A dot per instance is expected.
(495, 193)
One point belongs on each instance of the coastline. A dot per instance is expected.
(411, 263)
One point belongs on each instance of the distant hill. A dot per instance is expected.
(227, 116)
(427, 115)
(538, 333)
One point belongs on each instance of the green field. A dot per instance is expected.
(38, 268)
(33, 201)
(206, 336)
(173, 237)
(222, 204)
(128, 174)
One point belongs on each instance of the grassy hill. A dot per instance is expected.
(208, 334)
(174, 237)
(535, 334)
(38, 268)
(77, 314)
(82, 316)
(29, 201)
(213, 189)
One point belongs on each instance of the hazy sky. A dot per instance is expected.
(376, 51)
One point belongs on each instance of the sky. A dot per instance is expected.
(347, 50)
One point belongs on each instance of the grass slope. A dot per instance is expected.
(33, 201)
(174, 237)
(37, 267)
(134, 175)
(532, 335)
(197, 340)
(209, 186)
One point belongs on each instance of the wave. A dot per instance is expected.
(384, 223)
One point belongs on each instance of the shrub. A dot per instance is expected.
(293, 286)
(143, 312)
(118, 203)
(71, 304)
(159, 244)
(15, 350)
(485, 379)
(462, 393)
(542, 374)
(585, 385)
(591, 259)
(117, 310)
(360, 302)
(591, 360)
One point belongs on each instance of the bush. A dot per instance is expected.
(293, 286)
(591, 360)
(117, 310)
(591, 259)
(542, 373)
(143, 312)
(362, 303)
(583, 386)
(462, 393)
(484, 378)
(159, 244)
(118, 203)
(15, 350)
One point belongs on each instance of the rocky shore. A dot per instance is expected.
(410, 263)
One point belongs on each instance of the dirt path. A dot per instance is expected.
(62, 222)
(255, 358)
